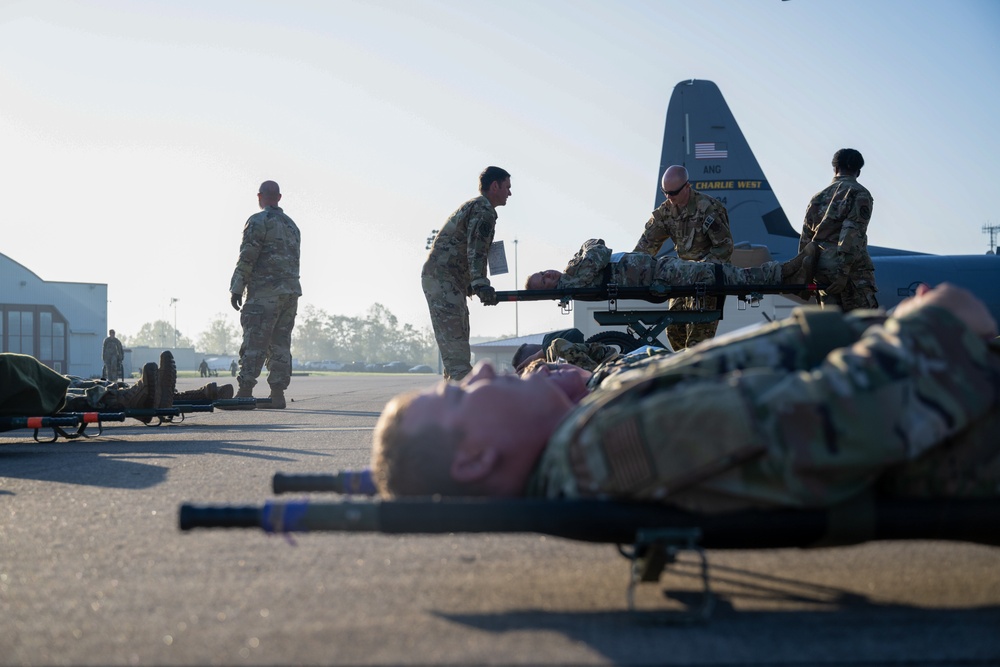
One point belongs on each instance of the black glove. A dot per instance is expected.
(237, 301)
(839, 284)
(487, 295)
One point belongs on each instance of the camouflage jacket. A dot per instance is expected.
(700, 230)
(837, 218)
(269, 256)
(775, 417)
(594, 265)
(462, 246)
(112, 349)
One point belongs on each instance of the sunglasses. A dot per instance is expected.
(673, 193)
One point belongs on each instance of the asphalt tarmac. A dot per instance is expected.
(94, 570)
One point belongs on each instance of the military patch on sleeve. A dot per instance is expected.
(630, 465)
(709, 219)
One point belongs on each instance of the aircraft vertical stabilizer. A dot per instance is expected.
(702, 134)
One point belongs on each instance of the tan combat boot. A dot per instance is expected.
(139, 395)
(246, 391)
(210, 392)
(166, 381)
(277, 399)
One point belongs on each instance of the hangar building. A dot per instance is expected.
(61, 324)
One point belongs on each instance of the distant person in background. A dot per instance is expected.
(113, 355)
(233, 367)
(699, 227)
(268, 271)
(456, 269)
(203, 368)
(837, 219)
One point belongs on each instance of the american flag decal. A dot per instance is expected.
(710, 150)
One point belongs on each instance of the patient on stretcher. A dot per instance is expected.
(595, 265)
(804, 412)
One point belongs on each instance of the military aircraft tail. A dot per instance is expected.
(702, 134)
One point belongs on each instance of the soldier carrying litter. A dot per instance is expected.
(699, 227)
(456, 269)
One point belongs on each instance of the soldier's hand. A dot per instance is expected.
(487, 295)
(237, 301)
(838, 285)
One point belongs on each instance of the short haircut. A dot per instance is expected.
(848, 160)
(490, 176)
(417, 463)
(269, 189)
(523, 352)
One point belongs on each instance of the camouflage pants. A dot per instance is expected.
(84, 395)
(681, 336)
(112, 366)
(446, 300)
(674, 271)
(267, 338)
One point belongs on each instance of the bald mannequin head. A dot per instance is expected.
(268, 194)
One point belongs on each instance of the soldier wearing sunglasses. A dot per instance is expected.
(699, 227)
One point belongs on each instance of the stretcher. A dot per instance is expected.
(644, 326)
(63, 424)
(73, 425)
(651, 536)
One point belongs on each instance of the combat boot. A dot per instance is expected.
(277, 399)
(140, 395)
(801, 269)
(210, 392)
(166, 381)
(246, 391)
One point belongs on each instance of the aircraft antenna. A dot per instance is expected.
(992, 230)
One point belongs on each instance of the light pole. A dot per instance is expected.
(173, 302)
(516, 314)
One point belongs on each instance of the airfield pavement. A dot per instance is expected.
(94, 570)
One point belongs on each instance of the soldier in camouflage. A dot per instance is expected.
(699, 227)
(268, 271)
(837, 219)
(113, 355)
(804, 412)
(595, 265)
(456, 269)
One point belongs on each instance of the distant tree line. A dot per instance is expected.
(375, 337)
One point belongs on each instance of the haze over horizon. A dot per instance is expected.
(134, 134)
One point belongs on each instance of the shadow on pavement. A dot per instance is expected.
(122, 464)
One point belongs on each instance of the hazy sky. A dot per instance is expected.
(133, 135)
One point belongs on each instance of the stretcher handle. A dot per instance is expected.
(201, 516)
(356, 482)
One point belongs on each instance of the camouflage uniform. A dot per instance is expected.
(587, 356)
(700, 232)
(638, 269)
(268, 268)
(113, 355)
(805, 412)
(455, 267)
(837, 219)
